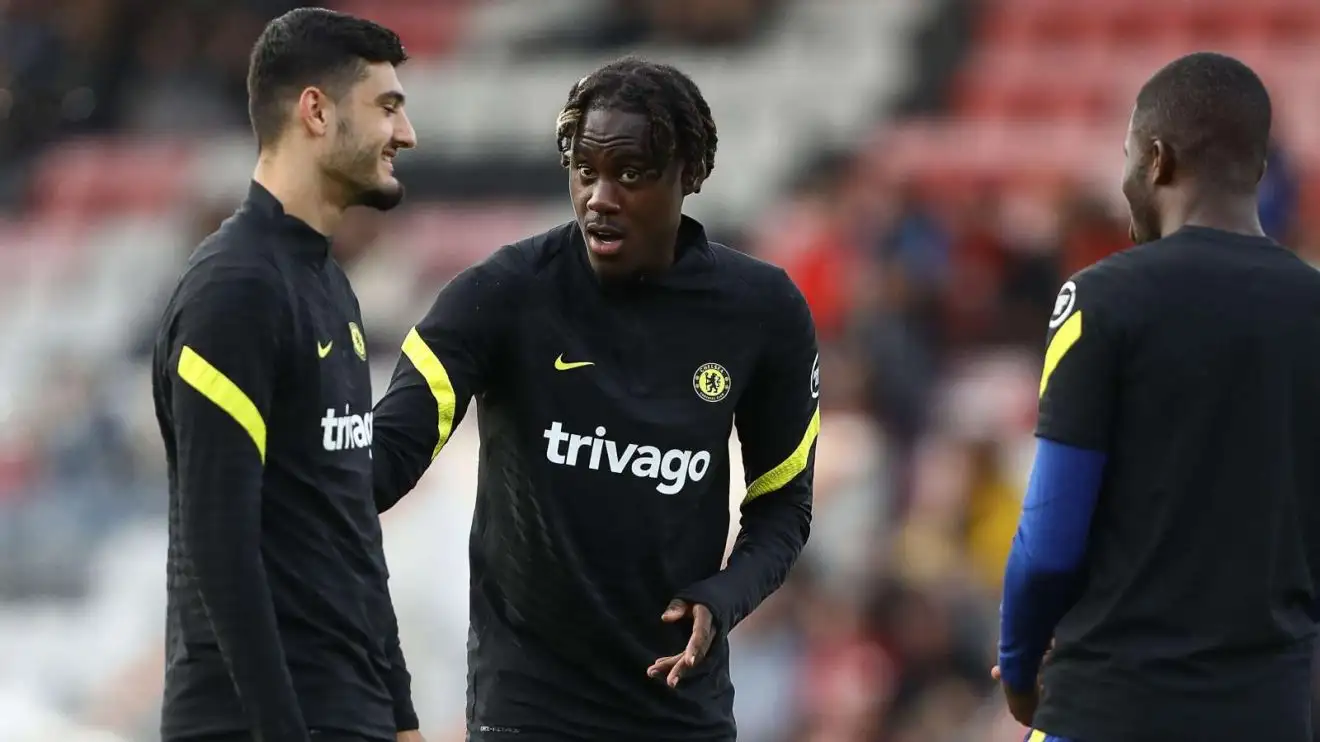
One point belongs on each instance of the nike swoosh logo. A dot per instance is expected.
(324, 350)
(560, 365)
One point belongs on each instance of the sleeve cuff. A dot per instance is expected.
(405, 718)
(702, 594)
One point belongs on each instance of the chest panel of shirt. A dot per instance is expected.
(329, 384)
(654, 381)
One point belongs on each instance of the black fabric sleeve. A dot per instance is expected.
(778, 419)
(224, 351)
(1079, 381)
(399, 680)
(446, 360)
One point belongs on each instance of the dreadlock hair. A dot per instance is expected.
(1213, 112)
(681, 123)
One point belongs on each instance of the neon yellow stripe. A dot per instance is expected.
(215, 386)
(1037, 736)
(791, 466)
(431, 369)
(1063, 341)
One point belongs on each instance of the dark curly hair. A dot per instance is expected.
(306, 47)
(681, 124)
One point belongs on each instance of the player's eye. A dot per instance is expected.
(586, 171)
(630, 176)
(391, 108)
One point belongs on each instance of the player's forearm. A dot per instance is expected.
(222, 537)
(1034, 602)
(1044, 571)
(414, 419)
(396, 465)
(405, 439)
(774, 529)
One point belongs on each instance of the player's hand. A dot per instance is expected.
(410, 736)
(1022, 705)
(703, 632)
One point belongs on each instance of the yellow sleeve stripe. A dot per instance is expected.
(431, 369)
(1037, 736)
(791, 466)
(1063, 341)
(199, 374)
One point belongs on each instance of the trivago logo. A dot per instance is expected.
(674, 468)
(345, 431)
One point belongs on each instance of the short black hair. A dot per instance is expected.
(681, 123)
(1214, 113)
(311, 47)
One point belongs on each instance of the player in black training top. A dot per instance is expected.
(1170, 540)
(610, 359)
(279, 619)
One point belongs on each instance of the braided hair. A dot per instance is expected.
(681, 123)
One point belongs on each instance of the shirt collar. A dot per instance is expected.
(304, 240)
(693, 259)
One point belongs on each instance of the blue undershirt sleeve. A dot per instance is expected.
(1044, 570)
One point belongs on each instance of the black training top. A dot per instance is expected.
(1194, 361)
(279, 615)
(605, 413)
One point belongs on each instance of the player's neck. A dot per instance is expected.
(301, 191)
(1229, 213)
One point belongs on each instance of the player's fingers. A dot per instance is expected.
(662, 665)
(994, 672)
(676, 673)
(677, 609)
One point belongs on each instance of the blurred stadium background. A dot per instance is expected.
(927, 170)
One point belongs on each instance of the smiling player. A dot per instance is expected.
(279, 622)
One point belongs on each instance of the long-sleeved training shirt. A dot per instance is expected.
(279, 614)
(1186, 374)
(605, 413)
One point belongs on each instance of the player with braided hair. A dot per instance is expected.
(610, 359)
(662, 109)
(679, 116)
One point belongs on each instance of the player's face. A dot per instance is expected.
(629, 209)
(1139, 190)
(370, 128)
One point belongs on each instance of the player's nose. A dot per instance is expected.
(405, 137)
(604, 197)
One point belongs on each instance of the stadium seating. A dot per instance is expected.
(834, 65)
(1046, 75)
(429, 29)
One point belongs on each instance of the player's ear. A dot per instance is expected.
(1161, 163)
(314, 111)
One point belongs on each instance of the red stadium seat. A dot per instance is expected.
(428, 28)
(1050, 85)
(94, 177)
